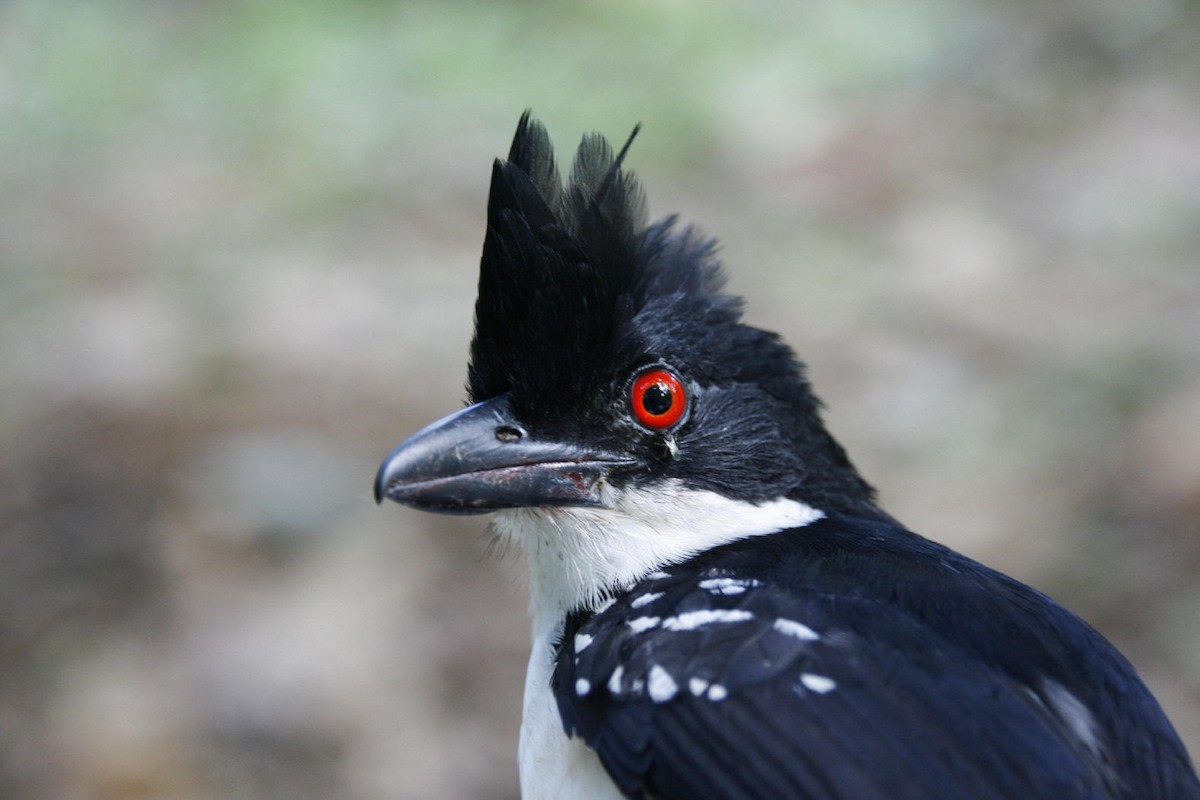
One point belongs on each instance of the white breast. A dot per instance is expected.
(554, 767)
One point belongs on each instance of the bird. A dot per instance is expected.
(720, 607)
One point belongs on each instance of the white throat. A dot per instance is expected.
(578, 555)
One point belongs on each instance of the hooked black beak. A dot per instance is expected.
(481, 459)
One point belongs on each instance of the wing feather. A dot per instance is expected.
(773, 691)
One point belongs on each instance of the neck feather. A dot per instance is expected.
(579, 556)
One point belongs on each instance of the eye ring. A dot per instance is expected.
(657, 399)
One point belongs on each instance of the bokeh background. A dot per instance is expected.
(238, 245)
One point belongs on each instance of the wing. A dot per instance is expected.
(719, 685)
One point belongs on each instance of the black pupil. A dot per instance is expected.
(657, 399)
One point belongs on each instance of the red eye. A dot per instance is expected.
(658, 399)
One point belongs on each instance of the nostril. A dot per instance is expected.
(509, 433)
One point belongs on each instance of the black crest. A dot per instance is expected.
(566, 270)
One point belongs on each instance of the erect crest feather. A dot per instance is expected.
(566, 270)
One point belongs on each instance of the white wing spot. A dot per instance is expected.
(661, 686)
(642, 624)
(818, 683)
(697, 686)
(1072, 711)
(694, 619)
(645, 599)
(582, 686)
(657, 575)
(605, 606)
(614, 680)
(582, 640)
(717, 693)
(728, 586)
(798, 629)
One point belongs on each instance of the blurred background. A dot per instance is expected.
(238, 245)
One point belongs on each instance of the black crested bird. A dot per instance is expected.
(720, 609)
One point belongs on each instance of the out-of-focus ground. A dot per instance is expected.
(238, 246)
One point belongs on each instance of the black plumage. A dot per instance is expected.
(929, 676)
(577, 292)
